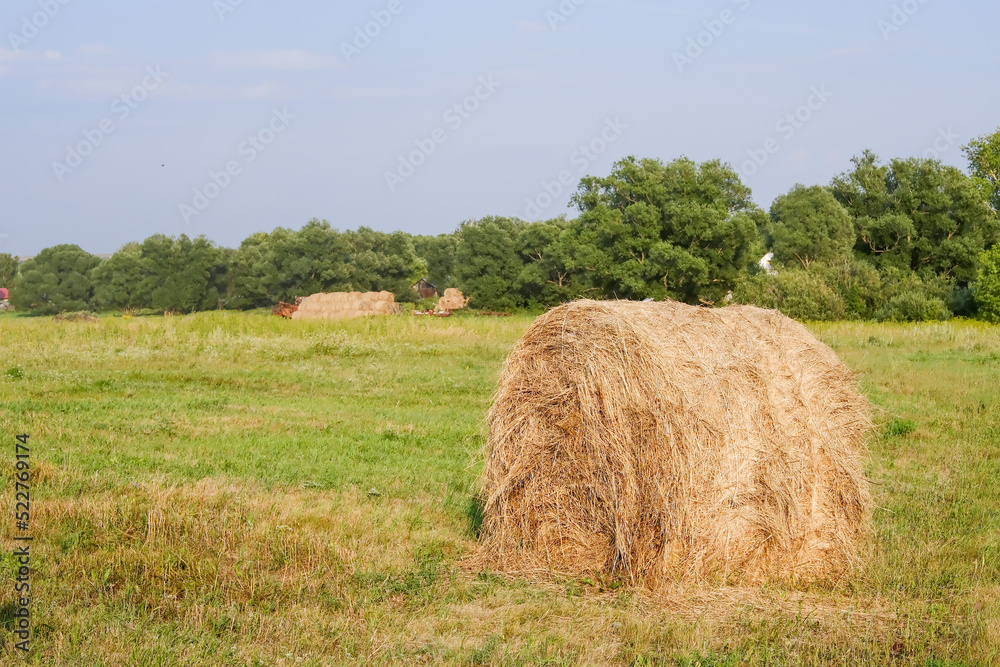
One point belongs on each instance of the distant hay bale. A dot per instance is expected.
(453, 299)
(342, 305)
(659, 442)
(78, 316)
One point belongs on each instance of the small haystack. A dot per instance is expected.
(79, 316)
(659, 441)
(453, 299)
(337, 305)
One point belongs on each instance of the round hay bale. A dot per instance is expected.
(660, 441)
(453, 299)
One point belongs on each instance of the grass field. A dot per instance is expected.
(236, 489)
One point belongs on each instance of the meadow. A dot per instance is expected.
(236, 489)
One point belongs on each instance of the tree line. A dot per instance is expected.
(908, 239)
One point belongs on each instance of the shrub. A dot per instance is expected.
(910, 299)
(987, 289)
(799, 294)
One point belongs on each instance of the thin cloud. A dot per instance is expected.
(96, 50)
(10, 59)
(531, 26)
(261, 91)
(272, 61)
(353, 94)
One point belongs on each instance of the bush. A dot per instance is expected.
(799, 294)
(852, 290)
(914, 307)
(910, 299)
(56, 280)
(987, 288)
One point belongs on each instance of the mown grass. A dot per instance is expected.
(229, 488)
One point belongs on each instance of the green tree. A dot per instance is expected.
(56, 280)
(379, 261)
(917, 215)
(488, 262)
(987, 289)
(439, 253)
(984, 164)
(285, 264)
(119, 282)
(809, 225)
(678, 230)
(252, 273)
(8, 269)
(184, 275)
(310, 260)
(546, 249)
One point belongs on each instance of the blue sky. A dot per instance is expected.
(227, 117)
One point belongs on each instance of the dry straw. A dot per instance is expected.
(337, 305)
(453, 299)
(663, 442)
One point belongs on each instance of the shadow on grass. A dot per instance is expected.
(474, 514)
(7, 618)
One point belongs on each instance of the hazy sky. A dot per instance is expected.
(227, 117)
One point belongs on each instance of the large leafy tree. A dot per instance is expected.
(285, 263)
(252, 273)
(184, 275)
(310, 260)
(809, 225)
(917, 215)
(984, 164)
(8, 269)
(56, 280)
(546, 249)
(119, 282)
(679, 230)
(488, 262)
(439, 253)
(379, 261)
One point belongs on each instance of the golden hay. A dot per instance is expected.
(659, 442)
(337, 305)
(453, 299)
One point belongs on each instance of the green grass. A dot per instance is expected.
(228, 488)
